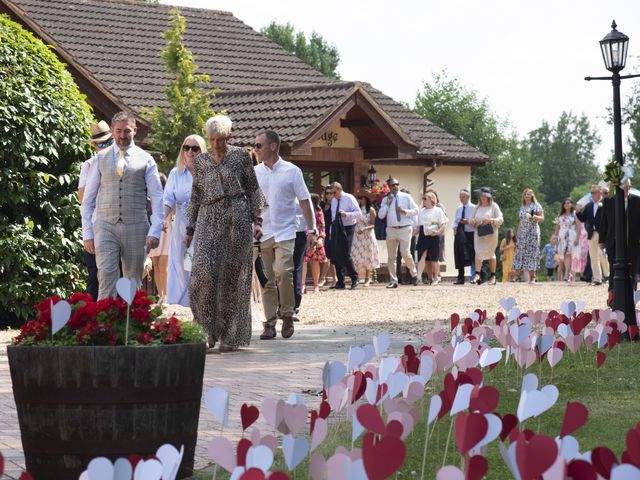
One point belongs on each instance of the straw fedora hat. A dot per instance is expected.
(100, 131)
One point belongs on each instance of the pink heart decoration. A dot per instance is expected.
(272, 410)
(405, 419)
(554, 356)
(336, 397)
(450, 473)
(221, 452)
(295, 417)
(319, 433)
(317, 467)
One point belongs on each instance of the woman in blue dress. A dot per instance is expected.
(177, 193)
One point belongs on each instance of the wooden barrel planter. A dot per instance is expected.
(77, 403)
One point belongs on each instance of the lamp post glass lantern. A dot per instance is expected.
(614, 49)
(371, 176)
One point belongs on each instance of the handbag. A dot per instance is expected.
(484, 230)
(258, 266)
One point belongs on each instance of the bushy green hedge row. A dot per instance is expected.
(44, 123)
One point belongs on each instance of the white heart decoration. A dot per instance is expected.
(396, 384)
(320, 430)
(554, 356)
(355, 358)
(569, 447)
(60, 315)
(636, 296)
(494, 428)
(217, 401)
(295, 450)
(462, 398)
(356, 428)
(332, 373)
(426, 368)
(381, 343)
(626, 471)
(564, 331)
(170, 458)
(148, 470)
(434, 408)
(513, 315)
(508, 303)
(509, 457)
(100, 468)
(369, 353)
(371, 391)
(545, 343)
(294, 399)
(126, 288)
(388, 366)
(122, 469)
(260, 457)
(474, 316)
(551, 394)
(462, 350)
(520, 332)
(568, 308)
(490, 356)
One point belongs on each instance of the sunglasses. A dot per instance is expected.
(258, 146)
(394, 184)
(105, 144)
(193, 148)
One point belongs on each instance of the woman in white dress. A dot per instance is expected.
(176, 198)
(432, 221)
(486, 221)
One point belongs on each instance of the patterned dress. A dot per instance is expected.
(364, 249)
(567, 234)
(318, 253)
(528, 243)
(224, 202)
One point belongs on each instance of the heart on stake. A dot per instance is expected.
(575, 416)
(469, 430)
(248, 415)
(535, 456)
(382, 458)
(170, 458)
(221, 452)
(148, 470)
(60, 315)
(217, 401)
(295, 450)
(126, 288)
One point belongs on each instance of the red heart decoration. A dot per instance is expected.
(499, 318)
(575, 416)
(382, 390)
(253, 474)
(324, 410)
(312, 420)
(445, 406)
(603, 460)
(581, 470)
(382, 458)
(411, 364)
(395, 428)
(241, 451)
(359, 386)
(613, 339)
(133, 460)
(484, 399)
(455, 320)
(509, 422)
(1, 464)
(467, 328)
(559, 344)
(600, 358)
(477, 467)
(369, 417)
(248, 414)
(409, 351)
(514, 434)
(633, 331)
(26, 476)
(633, 448)
(450, 387)
(469, 430)
(535, 456)
(279, 476)
(475, 374)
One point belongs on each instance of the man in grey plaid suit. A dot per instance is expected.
(115, 207)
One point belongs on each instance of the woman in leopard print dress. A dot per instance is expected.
(225, 201)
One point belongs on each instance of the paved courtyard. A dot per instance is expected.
(331, 321)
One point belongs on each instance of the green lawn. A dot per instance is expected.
(611, 396)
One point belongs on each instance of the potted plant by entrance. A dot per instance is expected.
(116, 379)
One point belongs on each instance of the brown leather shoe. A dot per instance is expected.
(287, 326)
(268, 333)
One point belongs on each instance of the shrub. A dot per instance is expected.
(44, 127)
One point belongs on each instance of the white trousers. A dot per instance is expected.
(399, 236)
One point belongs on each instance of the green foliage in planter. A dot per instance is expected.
(44, 126)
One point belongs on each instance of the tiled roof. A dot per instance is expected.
(294, 111)
(118, 43)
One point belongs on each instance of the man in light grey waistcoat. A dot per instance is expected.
(115, 207)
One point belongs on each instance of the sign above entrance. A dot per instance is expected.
(330, 137)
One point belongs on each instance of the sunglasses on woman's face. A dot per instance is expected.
(193, 148)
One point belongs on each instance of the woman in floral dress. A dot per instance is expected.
(528, 243)
(364, 249)
(568, 229)
(316, 255)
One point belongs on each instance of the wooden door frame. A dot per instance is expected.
(315, 165)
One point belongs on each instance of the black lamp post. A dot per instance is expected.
(614, 52)
(371, 176)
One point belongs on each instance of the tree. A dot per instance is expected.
(189, 105)
(316, 51)
(565, 153)
(465, 114)
(44, 127)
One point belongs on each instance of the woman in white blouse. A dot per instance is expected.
(486, 220)
(176, 198)
(432, 221)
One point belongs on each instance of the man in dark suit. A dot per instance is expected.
(632, 233)
(591, 217)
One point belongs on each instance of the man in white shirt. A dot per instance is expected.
(345, 212)
(117, 188)
(101, 138)
(400, 210)
(463, 251)
(282, 183)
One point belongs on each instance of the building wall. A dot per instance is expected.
(447, 181)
